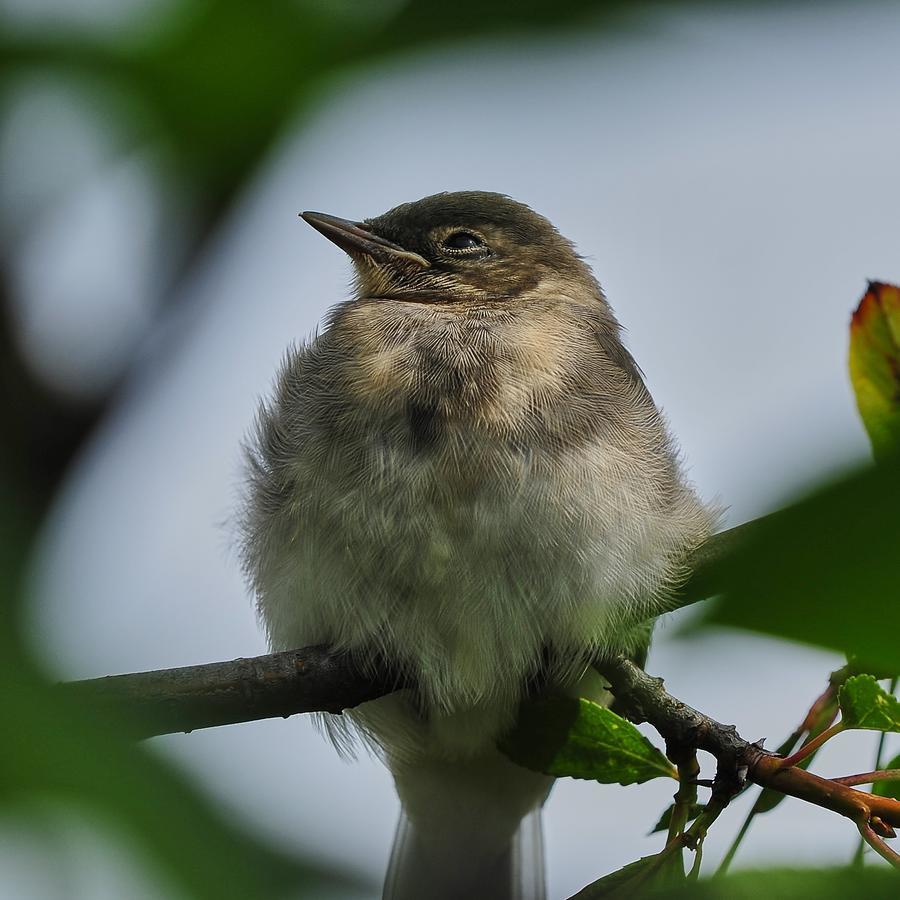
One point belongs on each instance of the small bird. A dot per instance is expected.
(464, 477)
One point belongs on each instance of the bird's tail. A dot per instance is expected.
(468, 831)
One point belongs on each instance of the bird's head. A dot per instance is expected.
(470, 247)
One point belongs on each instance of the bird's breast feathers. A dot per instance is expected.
(433, 487)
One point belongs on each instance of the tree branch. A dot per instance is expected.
(644, 699)
(312, 679)
(317, 679)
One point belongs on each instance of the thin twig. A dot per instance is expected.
(810, 747)
(878, 845)
(686, 795)
(819, 716)
(869, 777)
(644, 699)
(859, 855)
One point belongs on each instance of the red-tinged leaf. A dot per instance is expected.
(875, 365)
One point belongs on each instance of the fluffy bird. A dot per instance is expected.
(464, 477)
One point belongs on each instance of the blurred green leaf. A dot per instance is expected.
(857, 665)
(865, 704)
(872, 883)
(577, 738)
(57, 751)
(215, 81)
(875, 365)
(890, 787)
(822, 571)
(53, 750)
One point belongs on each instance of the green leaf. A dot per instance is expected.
(891, 787)
(578, 738)
(636, 878)
(857, 665)
(865, 704)
(875, 365)
(871, 883)
(666, 818)
(65, 756)
(83, 760)
(822, 571)
(214, 82)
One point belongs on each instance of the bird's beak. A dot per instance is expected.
(355, 239)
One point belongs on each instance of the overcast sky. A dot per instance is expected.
(732, 177)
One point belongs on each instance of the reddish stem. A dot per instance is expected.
(859, 806)
(869, 777)
(811, 746)
(878, 844)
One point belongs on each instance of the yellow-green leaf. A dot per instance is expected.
(875, 365)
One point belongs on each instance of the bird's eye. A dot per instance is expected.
(463, 241)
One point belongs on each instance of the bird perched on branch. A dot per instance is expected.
(463, 477)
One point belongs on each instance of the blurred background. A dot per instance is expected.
(730, 171)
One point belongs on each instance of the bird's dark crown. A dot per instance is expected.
(422, 224)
